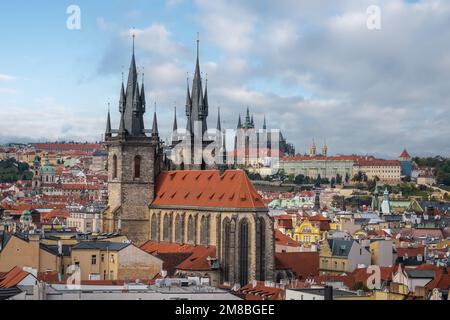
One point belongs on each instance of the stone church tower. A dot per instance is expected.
(134, 161)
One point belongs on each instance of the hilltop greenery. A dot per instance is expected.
(12, 171)
(440, 165)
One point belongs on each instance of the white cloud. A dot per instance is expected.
(315, 70)
(6, 77)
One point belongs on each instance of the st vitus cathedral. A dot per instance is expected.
(198, 206)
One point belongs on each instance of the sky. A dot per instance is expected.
(313, 68)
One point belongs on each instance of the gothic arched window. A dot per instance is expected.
(154, 227)
(191, 229)
(179, 229)
(114, 167)
(137, 166)
(262, 249)
(166, 228)
(226, 249)
(243, 252)
(204, 231)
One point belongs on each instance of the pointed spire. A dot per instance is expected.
(205, 98)
(122, 130)
(143, 102)
(132, 76)
(264, 124)
(198, 45)
(175, 124)
(247, 123)
(122, 99)
(136, 99)
(239, 126)
(155, 125)
(252, 122)
(219, 125)
(108, 123)
(188, 98)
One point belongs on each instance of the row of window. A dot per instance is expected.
(179, 229)
(137, 167)
(102, 259)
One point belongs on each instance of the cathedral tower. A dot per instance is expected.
(134, 161)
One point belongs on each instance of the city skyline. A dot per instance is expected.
(360, 96)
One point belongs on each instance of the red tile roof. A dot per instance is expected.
(441, 281)
(347, 280)
(207, 188)
(60, 213)
(67, 146)
(411, 251)
(12, 278)
(378, 163)
(323, 158)
(361, 275)
(303, 264)
(261, 292)
(195, 257)
(405, 154)
(284, 240)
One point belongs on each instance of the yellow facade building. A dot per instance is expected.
(307, 232)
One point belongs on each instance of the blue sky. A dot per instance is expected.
(311, 67)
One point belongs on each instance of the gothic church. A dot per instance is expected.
(192, 206)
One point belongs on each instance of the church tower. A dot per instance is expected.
(134, 161)
(197, 109)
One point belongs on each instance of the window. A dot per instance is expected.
(226, 251)
(166, 228)
(243, 252)
(204, 230)
(102, 259)
(114, 175)
(191, 229)
(94, 260)
(179, 230)
(154, 227)
(137, 166)
(111, 258)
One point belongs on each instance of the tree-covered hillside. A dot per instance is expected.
(11, 171)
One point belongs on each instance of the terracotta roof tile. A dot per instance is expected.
(260, 292)
(304, 264)
(12, 277)
(207, 188)
(195, 257)
(284, 240)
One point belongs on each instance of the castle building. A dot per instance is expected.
(252, 146)
(406, 164)
(149, 203)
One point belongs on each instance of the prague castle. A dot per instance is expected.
(148, 202)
